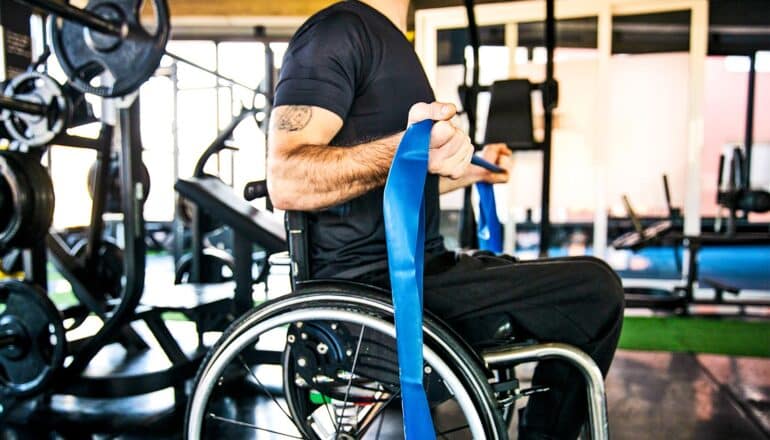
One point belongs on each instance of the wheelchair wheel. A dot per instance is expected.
(322, 365)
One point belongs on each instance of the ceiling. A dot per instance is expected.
(736, 26)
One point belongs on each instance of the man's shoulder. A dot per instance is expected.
(341, 17)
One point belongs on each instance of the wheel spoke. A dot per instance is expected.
(377, 413)
(249, 425)
(264, 389)
(350, 382)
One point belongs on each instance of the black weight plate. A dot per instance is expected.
(6, 204)
(36, 130)
(27, 367)
(130, 60)
(113, 202)
(13, 175)
(32, 199)
(43, 201)
(220, 263)
(106, 269)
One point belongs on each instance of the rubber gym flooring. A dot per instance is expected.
(659, 387)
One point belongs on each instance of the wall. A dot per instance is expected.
(725, 115)
(647, 136)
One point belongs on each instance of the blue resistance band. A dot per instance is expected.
(490, 231)
(404, 211)
(405, 233)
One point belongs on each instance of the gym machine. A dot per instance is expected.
(106, 50)
(509, 121)
(734, 194)
(668, 233)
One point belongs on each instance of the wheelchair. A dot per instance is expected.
(332, 344)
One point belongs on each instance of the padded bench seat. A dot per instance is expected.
(221, 202)
(188, 297)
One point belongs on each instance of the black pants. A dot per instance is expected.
(578, 301)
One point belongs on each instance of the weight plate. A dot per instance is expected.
(105, 269)
(29, 130)
(33, 341)
(27, 200)
(126, 62)
(220, 267)
(113, 184)
(36, 229)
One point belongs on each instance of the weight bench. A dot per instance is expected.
(213, 199)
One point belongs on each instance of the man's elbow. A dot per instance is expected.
(280, 190)
(282, 202)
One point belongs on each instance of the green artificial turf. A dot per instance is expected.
(697, 335)
(728, 336)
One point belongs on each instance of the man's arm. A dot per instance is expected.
(498, 154)
(305, 173)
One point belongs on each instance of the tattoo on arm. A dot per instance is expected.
(295, 118)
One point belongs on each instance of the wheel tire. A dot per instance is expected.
(362, 300)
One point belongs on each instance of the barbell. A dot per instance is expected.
(35, 109)
(109, 37)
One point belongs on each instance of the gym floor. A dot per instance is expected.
(651, 393)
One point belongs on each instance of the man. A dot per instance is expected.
(350, 85)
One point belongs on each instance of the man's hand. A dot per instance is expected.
(450, 149)
(498, 154)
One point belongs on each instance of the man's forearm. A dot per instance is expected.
(318, 176)
(445, 184)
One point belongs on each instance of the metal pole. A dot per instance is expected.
(269, 91)
(597, 405)
(467, 236)
(18, 105)
(80, 16)
(749, 138)
(96, 23)
(548, 105)
(207, 70)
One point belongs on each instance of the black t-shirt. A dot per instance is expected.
(352, 60)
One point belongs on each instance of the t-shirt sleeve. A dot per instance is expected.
(323, 64)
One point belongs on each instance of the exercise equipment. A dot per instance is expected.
(734, 192)
(26, 199)
(32, 342)
(490, 230)
(93, 267)
(16, 45)
(112, 183)
(35, 109)
(509, 121)
(106, 266)
(405, 233)
(668, 232)
(108, 48)
(108, 37)
(220, 266)
(199, 210)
